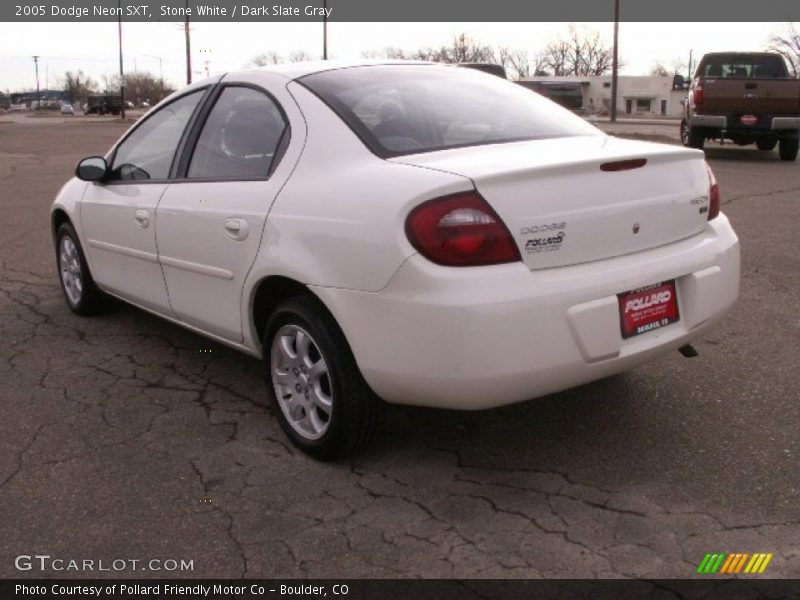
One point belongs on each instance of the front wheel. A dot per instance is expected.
(788, 148)
(319, 396)
(691, 136)
(82, 295)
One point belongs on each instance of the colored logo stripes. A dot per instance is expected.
(734, 562)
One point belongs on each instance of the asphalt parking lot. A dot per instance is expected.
(123, 436)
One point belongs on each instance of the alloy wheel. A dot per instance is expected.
(302, 381)
(69, 264)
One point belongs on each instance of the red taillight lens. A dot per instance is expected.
(713, 194)
(459, 231)
(698, 93)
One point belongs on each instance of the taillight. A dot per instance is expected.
(697, 95)
(713, 194)
(459, 231)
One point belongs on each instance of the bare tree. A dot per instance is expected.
(788, 45)
(579, 53)
(146, 87)
(517, 63)
(271, 57)
(77, 85)
(657, 69)
(466, 49)
(299, 56)
(462, 49)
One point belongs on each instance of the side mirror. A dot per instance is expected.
(93, 168)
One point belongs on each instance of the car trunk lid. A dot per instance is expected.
(577, 199)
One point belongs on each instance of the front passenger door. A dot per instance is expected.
(118, 214)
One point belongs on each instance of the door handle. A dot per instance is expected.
(236, 228)
(142, 217)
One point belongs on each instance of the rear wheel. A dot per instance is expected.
(788, 148)
(320, 398)
(692, 137)
(80, 291)
(766, 144)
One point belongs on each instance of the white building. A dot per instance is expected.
(650, 96)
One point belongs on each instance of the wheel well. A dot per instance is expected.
(271, 292)
(58, 219)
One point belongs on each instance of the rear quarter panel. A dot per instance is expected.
(339, 220)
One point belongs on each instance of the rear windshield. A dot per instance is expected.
(407, 109)
(743, 67)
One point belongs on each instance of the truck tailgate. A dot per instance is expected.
(751, 96)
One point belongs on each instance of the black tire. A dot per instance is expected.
(693, 137)
(788, 148)
(766, 144)
(91, 300)
(355, 407)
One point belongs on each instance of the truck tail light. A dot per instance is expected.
(460, 230)
(697, 94)
(713, 194)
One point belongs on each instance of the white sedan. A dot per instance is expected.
(421, 234)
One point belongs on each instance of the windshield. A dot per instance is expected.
(407, 109)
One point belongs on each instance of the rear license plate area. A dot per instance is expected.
(648, 308)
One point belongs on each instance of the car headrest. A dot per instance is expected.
(251, 130)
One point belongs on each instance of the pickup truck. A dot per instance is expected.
(103, 104)
(746, 97)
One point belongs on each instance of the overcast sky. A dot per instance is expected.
(92, 47)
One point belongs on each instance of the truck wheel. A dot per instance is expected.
(691, 136)
(766, 145)
(318, 393)
(788, 148)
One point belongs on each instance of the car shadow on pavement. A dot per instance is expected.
(611, 431)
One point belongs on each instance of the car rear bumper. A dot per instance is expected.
(486, 336)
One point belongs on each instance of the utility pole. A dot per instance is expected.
(325, 30)
(188, 47)
(615, 63)
(38, 93)
(121, 70)
(689, 76)
(160, 74)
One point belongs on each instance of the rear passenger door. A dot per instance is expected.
(211, 218)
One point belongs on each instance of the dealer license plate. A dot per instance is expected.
(648, 308)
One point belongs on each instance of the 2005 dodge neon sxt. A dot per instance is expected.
(417, 233)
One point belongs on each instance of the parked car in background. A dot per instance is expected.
(746, 97)
(102, 104)
(17, 108)
(66, 109)
(417, 233)
(567, 94)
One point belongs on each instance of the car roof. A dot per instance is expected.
(301, 69)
